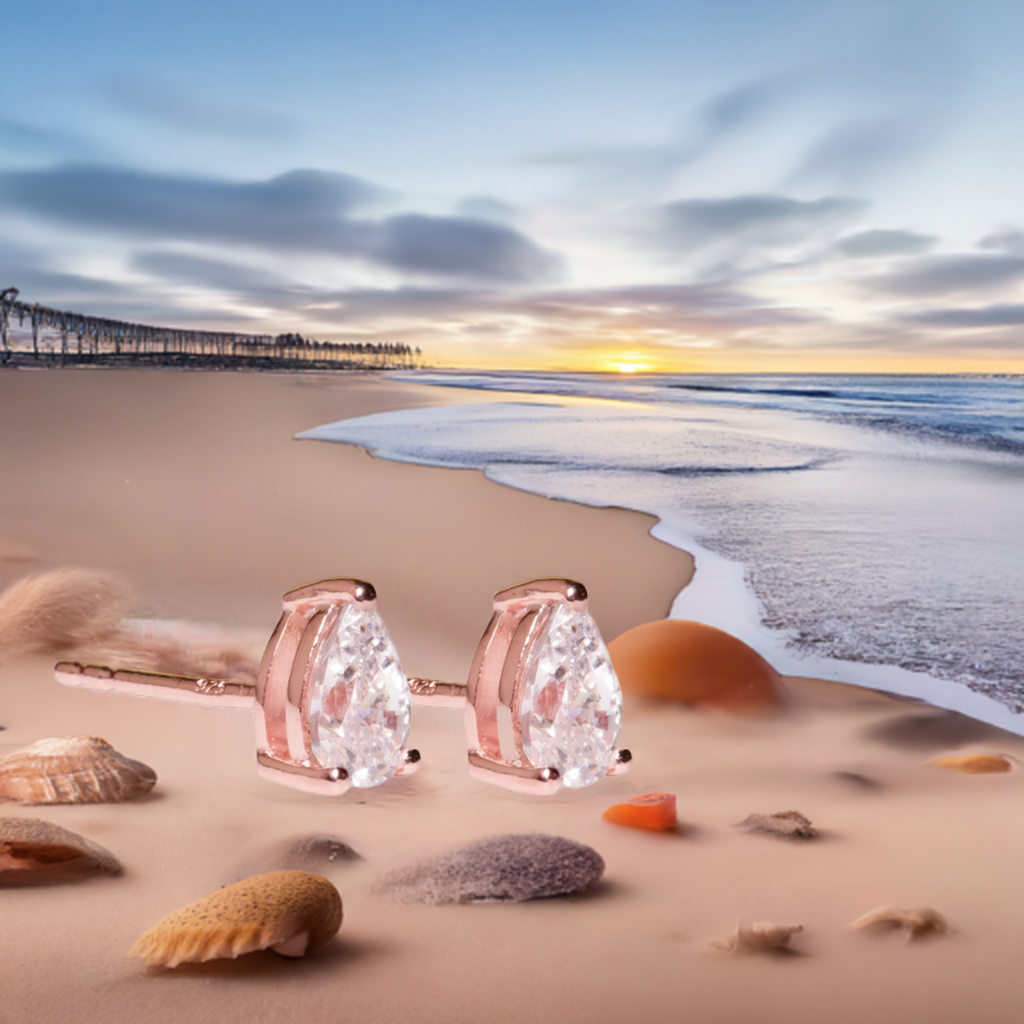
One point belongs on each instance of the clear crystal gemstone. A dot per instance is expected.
(358, 701)
(570, 704)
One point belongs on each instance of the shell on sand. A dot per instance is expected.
(72, 770)
(782, 824)
(290, 912)
(919, 921)
(976, 764)
(760, 937)
(33, 851)
(696, 664)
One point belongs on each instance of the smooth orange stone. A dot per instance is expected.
(696, 664)
(653, 811)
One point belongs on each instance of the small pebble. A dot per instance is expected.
(782, 825)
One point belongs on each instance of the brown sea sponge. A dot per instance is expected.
(290, 912)
(695, 664)
(72, 770)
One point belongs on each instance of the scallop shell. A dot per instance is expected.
(976, 764)
(782, 824)
(919, 921)
(760, 937)
(33, 851)
(72, 770)
(290, 912)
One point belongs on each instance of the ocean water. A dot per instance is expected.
(860, 528)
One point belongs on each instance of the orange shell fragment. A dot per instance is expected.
(976, 764)
(653, 811)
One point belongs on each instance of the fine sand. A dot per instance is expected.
(192, 486)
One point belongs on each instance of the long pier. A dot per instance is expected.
(34, 335)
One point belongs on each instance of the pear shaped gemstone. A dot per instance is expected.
(570, 704)
(358, 702)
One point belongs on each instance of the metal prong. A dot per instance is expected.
(410, 763)
(322, 781)
(621, 764)
(518, 777)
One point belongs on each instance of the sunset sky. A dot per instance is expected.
(660, 184)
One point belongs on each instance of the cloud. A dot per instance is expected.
(852, 154)
(744, 225)
(949, 275)
(1000, 315)
(154, 100)
(882, 242)
(304, 211)
(1006, 239)
(487, 208)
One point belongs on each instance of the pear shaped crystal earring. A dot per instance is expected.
(331, 702)
(543, 704)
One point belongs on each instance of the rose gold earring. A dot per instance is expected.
(543, 704)
(331, 702)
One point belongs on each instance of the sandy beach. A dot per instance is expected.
(192, 487)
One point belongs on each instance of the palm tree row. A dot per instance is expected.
(63, 338)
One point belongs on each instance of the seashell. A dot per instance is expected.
(695, 664)
(976, 764)
(760, 937)
(72, 770)
(502, 869)
(920, 922)
(782, 824)
(33, 852)
(290, 912)
(655, 812)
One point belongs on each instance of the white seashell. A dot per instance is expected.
(760, 937)
(920, 922)
(72, 770)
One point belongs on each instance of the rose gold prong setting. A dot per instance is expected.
(410, 763)
(495, 688)
(308, 778)
(622, 763)
(280, 698)
(520, 778)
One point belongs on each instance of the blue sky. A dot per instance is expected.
(732, 185)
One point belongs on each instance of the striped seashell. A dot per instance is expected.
(72, 770)
(290, 912)
(33, 851)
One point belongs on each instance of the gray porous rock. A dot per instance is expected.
(502, 869)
